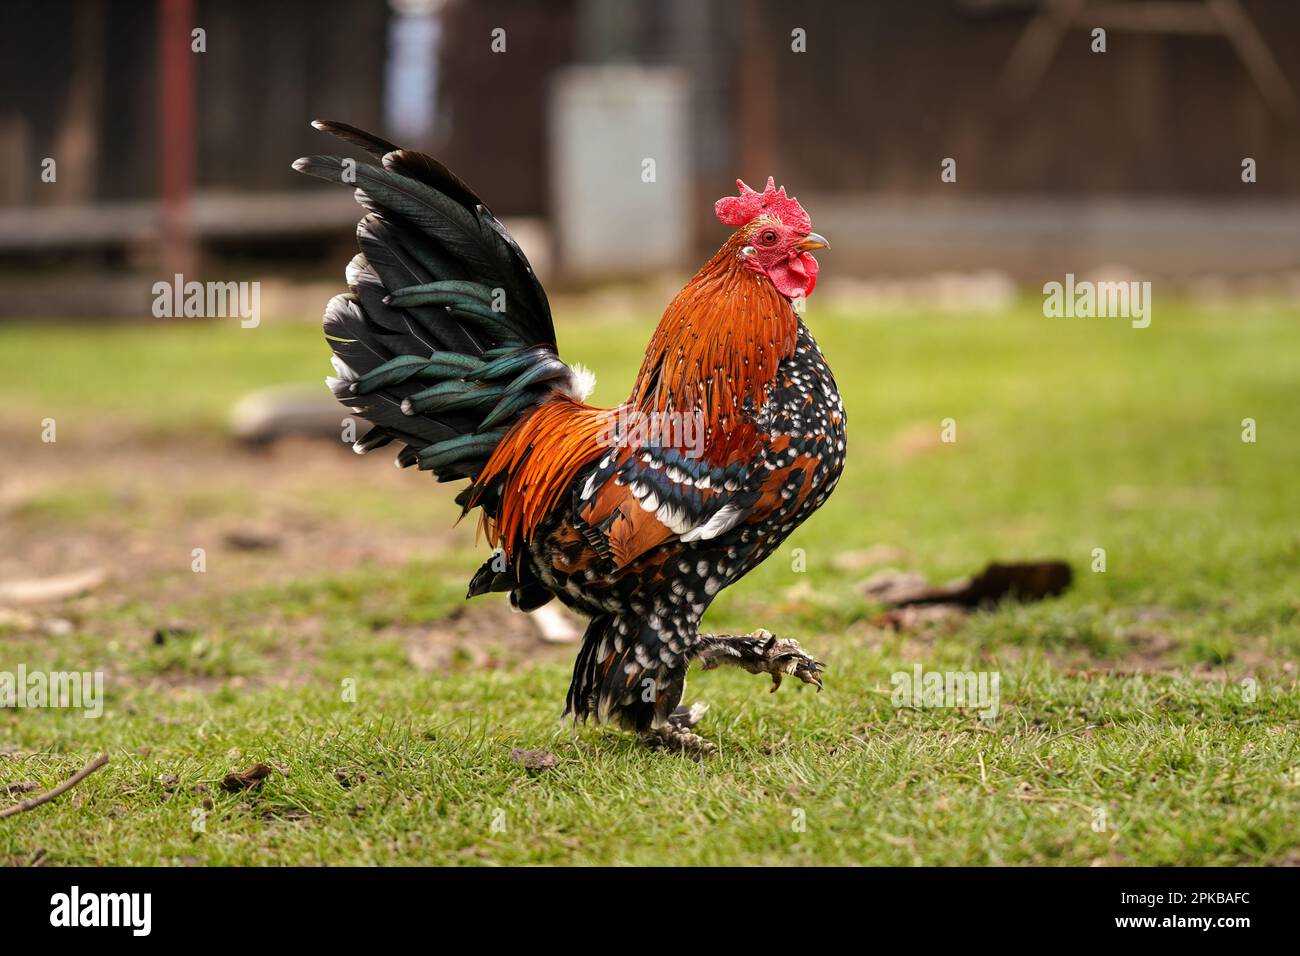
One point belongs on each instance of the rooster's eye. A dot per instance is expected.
(768, 237)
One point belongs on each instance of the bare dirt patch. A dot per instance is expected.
(126, 511)
(138, 506)
(487, 634)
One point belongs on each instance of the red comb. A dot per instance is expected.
(738, 210)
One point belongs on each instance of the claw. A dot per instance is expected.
(787, 657)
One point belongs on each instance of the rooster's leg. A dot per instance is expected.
(676, 733)
(760, 652)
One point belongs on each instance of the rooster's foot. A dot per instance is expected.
(679, 740)
(761, 652)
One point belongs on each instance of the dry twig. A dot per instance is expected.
(76, 778)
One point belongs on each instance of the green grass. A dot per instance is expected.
(171, 376)
(418, 770)
(1125, 736)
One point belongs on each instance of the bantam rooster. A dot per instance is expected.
(635, 516)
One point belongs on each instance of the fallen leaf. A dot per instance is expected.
(533, 759)
(247, 539)
(247, 780)
(1020, 581)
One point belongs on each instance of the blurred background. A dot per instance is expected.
(1066, 159)
(140, 140)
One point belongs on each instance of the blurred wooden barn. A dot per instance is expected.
(1066, 157)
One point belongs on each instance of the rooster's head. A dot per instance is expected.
(776, 237)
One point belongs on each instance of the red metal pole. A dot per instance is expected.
(176, 146)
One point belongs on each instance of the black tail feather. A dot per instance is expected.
(439, 293)
(371, 143)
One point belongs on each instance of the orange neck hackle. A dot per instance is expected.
(717, 348)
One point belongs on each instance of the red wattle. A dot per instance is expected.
(796, 276)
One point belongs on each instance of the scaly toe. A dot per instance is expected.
(785, 656)
(679, 741)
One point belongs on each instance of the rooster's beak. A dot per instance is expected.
(810, 242)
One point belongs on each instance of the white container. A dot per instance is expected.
(620, 171)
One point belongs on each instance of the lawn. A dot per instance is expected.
(1148, 716)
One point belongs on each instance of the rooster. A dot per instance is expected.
(637, 516)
